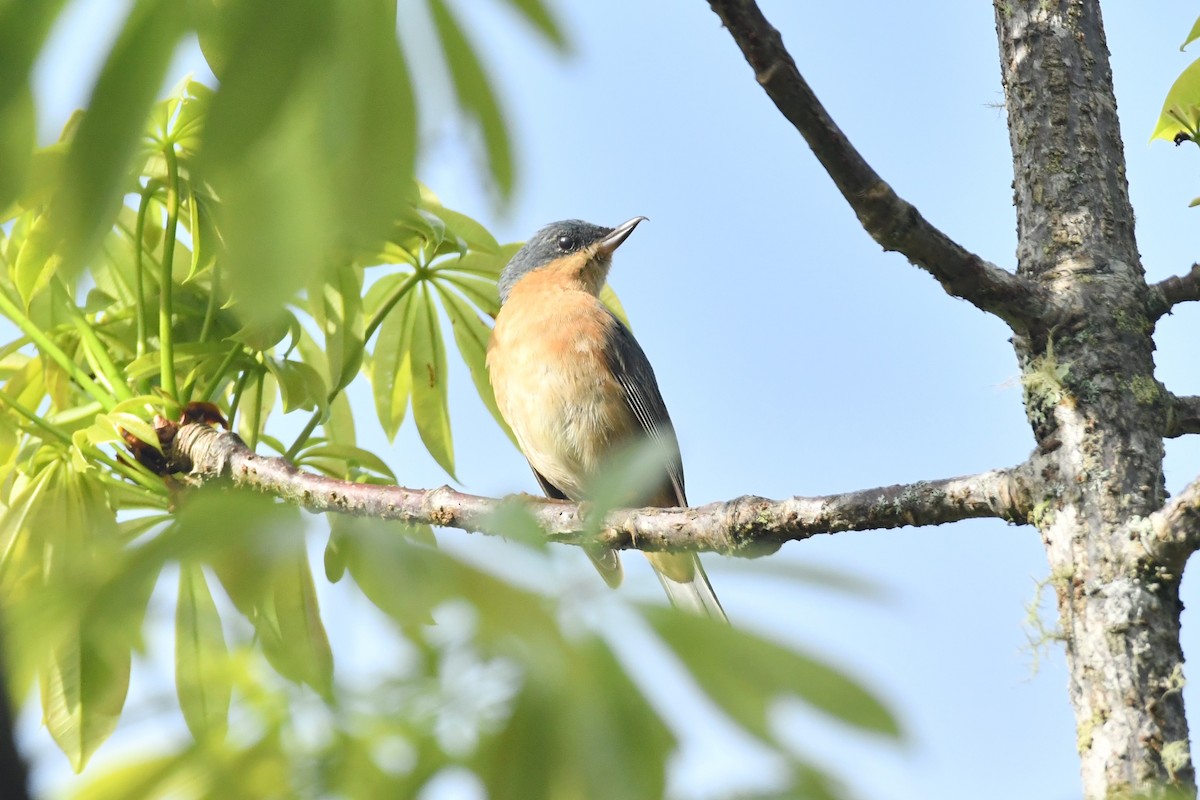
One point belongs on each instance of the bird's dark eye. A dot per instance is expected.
(566, 243)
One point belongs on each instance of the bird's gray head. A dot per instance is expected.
(560, 240)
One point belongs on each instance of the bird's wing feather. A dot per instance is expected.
(633, 372)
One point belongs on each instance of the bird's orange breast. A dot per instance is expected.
(552, 381)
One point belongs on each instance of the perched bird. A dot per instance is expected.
(575, 386)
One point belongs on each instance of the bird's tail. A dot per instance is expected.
(683, 578)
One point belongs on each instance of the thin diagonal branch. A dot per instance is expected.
(888, 218)
(1183, 416)
(1166, 294)
(747, 525)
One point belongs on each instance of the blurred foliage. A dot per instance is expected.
(262, 246)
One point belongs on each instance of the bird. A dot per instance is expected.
(575, 387)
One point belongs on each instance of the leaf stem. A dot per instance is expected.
(55, 353)
(395, 297)
(139, 280)
(165, 311)
(95, 348)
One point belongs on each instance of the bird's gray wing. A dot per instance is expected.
(633, 372)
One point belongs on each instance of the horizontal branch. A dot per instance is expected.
(889, 219)
(1166, 294)
(1183, 416)
(746, 526)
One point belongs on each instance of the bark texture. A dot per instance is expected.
(1093, 401)
(747, 526)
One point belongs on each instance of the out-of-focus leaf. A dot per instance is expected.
(265, 63)
(430, 398)
(1192, 36)
(85, 678)
(475, 94)
(23, 30)
(83, 691)
(391, 363)
(37, 260)
(1181, 108)
(292, 634)
(371, 103)
(108, 135)
(629, 478)
(743, 673)
(202, 679)
(471, 335)
(569, 736)
(18, 132)
(337, 308)
(817, 576)
(539, 16)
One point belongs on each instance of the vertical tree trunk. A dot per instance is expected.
(1097, 411)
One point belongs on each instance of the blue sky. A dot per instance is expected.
(795, 356)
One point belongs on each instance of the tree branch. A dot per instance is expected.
(889, 219)
(1183, 416)
(745, 526)
(1166, 294)
(1175, 528)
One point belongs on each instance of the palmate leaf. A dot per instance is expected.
(336, 306)
(430, 399)
(1181, 108)
(390, 367)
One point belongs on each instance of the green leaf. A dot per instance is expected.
(744, 673)
(539, 16)
(337, 309)
(371, 114)
(37, 260)
(300, 385)
(23, 31)
(578, 724)
(430, 400)
(202, 678)
(355, 456)
(1192, 36)
(1181, 108)
(391, 363)
(470, 233)
(84, 684)
(471, 335)
(292, 634)
(104, 145)
(18, 132)
(475, 95)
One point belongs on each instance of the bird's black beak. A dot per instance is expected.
(608, 244)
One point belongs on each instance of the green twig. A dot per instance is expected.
(140, 289)
(165, 311)
(395, 297)
(52, 351)
(42, 425)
